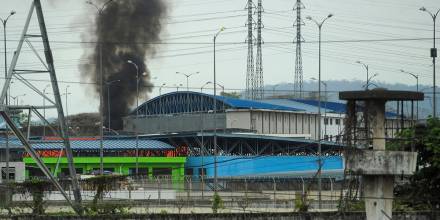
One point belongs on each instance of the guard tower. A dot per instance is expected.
(377, 166)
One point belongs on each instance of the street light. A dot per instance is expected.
(4, 21)
(273, 89)
(369, 81)
(44, 108)
(187, 87)
(177, 86)
(160, 88)
(207, 83)
(367, 68)
(417, 89)
(137, 113)
(433, 55)
(215, 113)
(319, 102)
(108, 84)
(187, 78)
(67, 112)
(15, 98)
(325, 104)
(101, 98)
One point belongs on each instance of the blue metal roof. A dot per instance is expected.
(335, 107)
(250, 104)
(78, 145)
(190, 102)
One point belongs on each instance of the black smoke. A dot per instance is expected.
(127, 30)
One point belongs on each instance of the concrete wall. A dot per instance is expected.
(16, 167)
(174, 123)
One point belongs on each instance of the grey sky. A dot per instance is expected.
(191, 24)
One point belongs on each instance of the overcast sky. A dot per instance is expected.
(190, 25)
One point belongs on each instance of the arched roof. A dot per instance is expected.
(189, 102)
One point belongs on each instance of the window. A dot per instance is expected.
(11, 173)
(337, 121)
(326, 121)
(331, 121)
(162, 171)
(326, 137)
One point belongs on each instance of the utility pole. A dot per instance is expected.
(298, 83)
(433, 55)
(4, 21)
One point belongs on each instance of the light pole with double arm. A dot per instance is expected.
(319, 24)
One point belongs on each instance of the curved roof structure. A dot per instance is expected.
(190, 102)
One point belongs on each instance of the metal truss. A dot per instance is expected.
(55, 101)
(181, 102)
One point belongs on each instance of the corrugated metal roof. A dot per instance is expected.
(76, 145)
(335, 107)
(251, 104)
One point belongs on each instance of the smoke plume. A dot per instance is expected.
(127, 30)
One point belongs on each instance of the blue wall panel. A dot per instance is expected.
(234, 166)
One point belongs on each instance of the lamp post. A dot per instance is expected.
(108, 84)
(367, 68)
(187, 78)
(417, 89)
(67, 111)
(44, 109)
(137, 113)
(215, 113)
(273, 89)
(160, 88)
(202, 127)
(433, 55)
(15, 98)
(187, 87)
(369, 81)
(319, 24)
(4, 21)
(325, 104)
(101, 99)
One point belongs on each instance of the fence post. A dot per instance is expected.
(274, 192)
(158, 189)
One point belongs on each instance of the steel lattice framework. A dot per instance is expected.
(250, 76)
(259, 85)
(298, 83)
(24, 76)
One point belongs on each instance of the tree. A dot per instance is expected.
(423, 189)
(236, 95)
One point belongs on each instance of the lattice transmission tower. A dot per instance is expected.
(26, 75)
(298, 83)
(259, 82)
(250, 71)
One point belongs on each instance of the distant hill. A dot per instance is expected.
(335, 86)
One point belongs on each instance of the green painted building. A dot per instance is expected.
(151, 166)
(156, 158)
